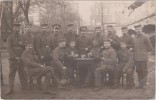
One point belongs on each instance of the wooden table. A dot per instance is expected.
(82, 61)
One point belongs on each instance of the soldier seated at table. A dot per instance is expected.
(95, 54)
(37, 70)
(125, 65)
(71, 53)
(59, 60)
(108, 61)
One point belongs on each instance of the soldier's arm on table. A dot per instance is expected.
(56, 59)
(10, 47)
(148, 44)
(112, 59)
(29, 63)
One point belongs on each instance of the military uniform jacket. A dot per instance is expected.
(95, 50)
(99, 39)
(127, 39)
(110, 57)
(58, 57)
(115, 41)
(15, 45)
(56, 38)
(44, 45)
(125, 58)
(142, 45)
(82, 43)
(29, 62)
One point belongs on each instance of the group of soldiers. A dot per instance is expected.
(53, 55)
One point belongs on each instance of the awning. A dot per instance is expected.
(136, 4)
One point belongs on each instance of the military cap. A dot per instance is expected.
(109, 26)
(28, 24)
(44, 25)
(98, 27)
(122, 28)
(137, 26)
(70, 25)
(56, 25)
(16, 24)
(83, 27)
(106, 40)
(62, 40)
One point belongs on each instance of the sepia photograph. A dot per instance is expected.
(77, 49)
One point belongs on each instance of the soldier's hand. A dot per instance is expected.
(64, 68)
(110, 40)
(42, 66)
(17, 58)
(124, 70)
(90, 54)
(86, 49)
(42, 57)
(131, 49)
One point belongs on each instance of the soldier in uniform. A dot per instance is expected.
(44, 46)
(126, 38)
(71, 53)
(98, 36)
(70, 35)
(59, 59)
(141, 45)
(15, 49)
(125, 65)
(93, 53)
(28, 37)
(34, 69)
(112, 37)
(84, 46)
(83, 42)
(108, 61)
(57, 35)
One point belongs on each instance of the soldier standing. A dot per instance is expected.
(112, 37)
(126, 38)
(141, 46)
(57, 35)
(44, 46)
(83, 45)
(98, 36)
(70, 35)
(16, 48)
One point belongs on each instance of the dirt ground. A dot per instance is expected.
(82, 93)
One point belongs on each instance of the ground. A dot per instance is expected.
(82, 93)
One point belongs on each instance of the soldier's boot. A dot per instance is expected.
(47, 84)
(11, 85)
(39, 82)
(140, 81)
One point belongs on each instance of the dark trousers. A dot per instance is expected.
(14, 67)
(129, 74)
(103, 70)
(85, 72)
(141, 69)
